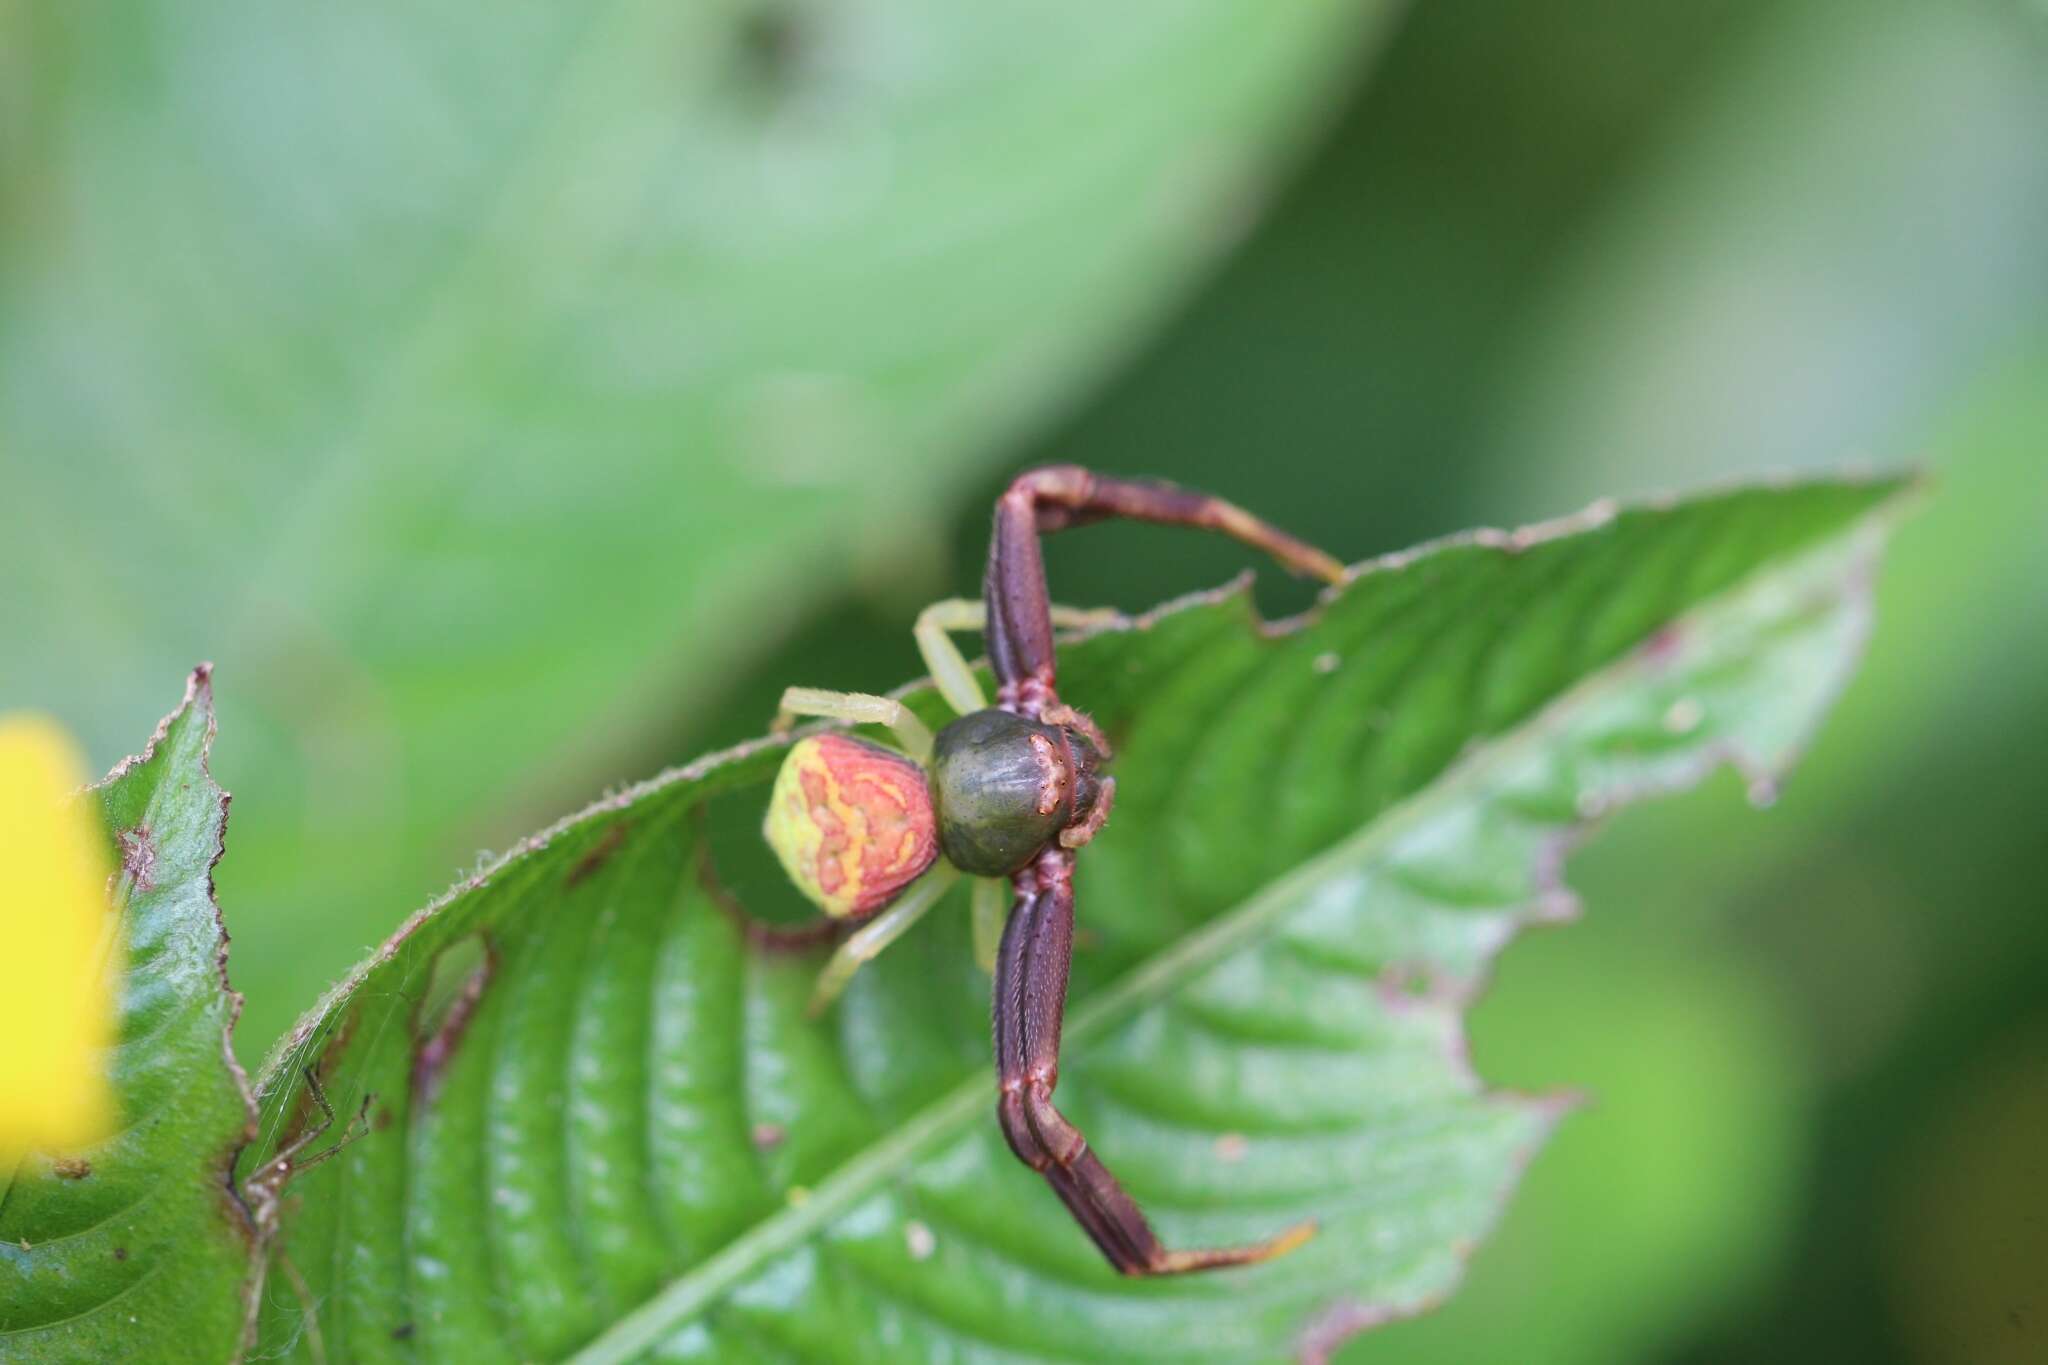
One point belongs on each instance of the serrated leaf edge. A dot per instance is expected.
(199, 693)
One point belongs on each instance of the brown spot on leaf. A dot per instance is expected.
(600, 853)
(403, 1332)
(72, 1167)
(1663, 644)
(1406, 985)
(138, 856)
(120, 1253)
(439, 1048)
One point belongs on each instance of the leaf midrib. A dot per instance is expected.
(1156, 977)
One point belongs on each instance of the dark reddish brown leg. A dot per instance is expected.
(1051, 499)
(1030, 998)
(1038, 940)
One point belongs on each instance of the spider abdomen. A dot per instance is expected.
(1003, 787)
(851, 822)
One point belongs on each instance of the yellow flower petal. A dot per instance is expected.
(58, 937)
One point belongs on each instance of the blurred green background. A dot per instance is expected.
(512, 402)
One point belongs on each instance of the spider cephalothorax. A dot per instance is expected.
(1005, 793)
(1004, 786)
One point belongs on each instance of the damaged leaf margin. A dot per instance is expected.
(111, 1245)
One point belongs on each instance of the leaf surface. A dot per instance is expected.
(137, 1248)
(604, 1128)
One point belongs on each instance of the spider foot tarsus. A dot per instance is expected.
(1030, 997)
(1050, 1144)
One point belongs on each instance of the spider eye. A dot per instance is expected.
(1002, 787)
(851, 822)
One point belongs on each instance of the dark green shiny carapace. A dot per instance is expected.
(1003, 787)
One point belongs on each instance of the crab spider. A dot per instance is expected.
(1007, 792)
(956, 683)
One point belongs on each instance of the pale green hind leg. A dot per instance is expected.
(860, 708)
(864, 944)
(950, 670)
(990, 908)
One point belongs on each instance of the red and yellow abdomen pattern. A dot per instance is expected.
(852, 823)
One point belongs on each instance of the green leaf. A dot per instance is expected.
(388, 347)
(139, 1248)
(602, 1126)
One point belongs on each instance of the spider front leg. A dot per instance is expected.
(951, 673)
(1056, 497)
(1030, 1000)
(857, 708)
(271, 1177)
